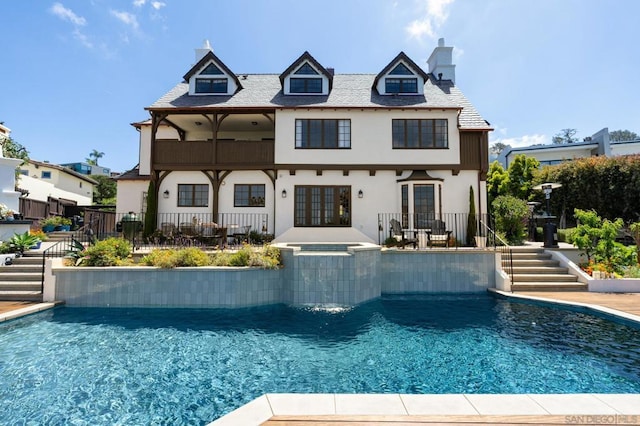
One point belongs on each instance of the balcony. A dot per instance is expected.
(170, 154)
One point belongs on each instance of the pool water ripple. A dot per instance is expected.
(152, 366)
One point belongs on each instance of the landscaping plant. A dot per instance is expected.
(511, 215)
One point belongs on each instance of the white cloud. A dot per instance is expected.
(157, 5)
(67, 15)
(82, 38)
(139, 3)
(522, 141)
(126, 18)
(435, 14)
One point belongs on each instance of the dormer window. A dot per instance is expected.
(400, 76)
(306, 76)
(211, 69)
(211, 85)
(209, 76)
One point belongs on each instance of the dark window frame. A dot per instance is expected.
(214, 85)
(322, 206)
(405, 85)
(306, 87)
(424, 205)
(45, 174)
(304, 133)
(415, 136)
(196, 190)
(249, 189)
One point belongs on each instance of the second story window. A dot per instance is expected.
(305, 85)
(420, 134)
(45, 175)
(401, 85)
(323, 134)
(211, 85)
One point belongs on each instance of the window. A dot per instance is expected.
(323, 134)
(419, 134)
(305, 85)
(424, 205)
(322, 206)
(45, 175)
(400, 69)
(306, 69)
(211, 85)
(401, 85)
(193, 195)
(248, 195)
(211, 69)
(80, 184)
(24, 172)
(405, 206)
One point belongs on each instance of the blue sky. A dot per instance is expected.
(76, 73)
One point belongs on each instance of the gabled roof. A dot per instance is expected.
(207, 58)
(402, 57)
(65, 170)
(306, 57)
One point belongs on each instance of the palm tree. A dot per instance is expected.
(94, 156)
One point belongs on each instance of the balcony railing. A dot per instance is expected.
(172, 154)
(418, 225)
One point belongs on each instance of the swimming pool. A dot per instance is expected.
(146, 366)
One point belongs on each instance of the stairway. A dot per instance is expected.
(23, 279)
(535, 270)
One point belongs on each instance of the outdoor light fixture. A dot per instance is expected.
(360, 194)
(198, 123)
(166, 193)
(254, 123)
(284, 193)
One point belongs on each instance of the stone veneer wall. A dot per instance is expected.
(308, 277)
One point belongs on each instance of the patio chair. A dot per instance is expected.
(400, 235)
(242, 234)
(438, 235)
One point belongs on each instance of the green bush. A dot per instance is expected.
(632, 272)
(511, 217)
(268, 257)
(565, 235)
(241, 257)
(192, 257)
(109, 252)
(160, 257)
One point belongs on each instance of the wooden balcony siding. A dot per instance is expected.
(198, 155)
(474, 151)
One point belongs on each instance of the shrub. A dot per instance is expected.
(511, 217)
(220, 258)
(109, 252)
(161, 258)
(632, 272)
(241, 257)
(192, 257)
(268, 257)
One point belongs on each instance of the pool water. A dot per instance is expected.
(173, 366)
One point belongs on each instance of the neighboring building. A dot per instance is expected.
(319, 153)
(4, 132)
(44, 180)
(596, 145)
(88, 169)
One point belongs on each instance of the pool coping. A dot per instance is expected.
(575, 408)
(28, 310)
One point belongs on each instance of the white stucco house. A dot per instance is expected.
(45, 180)
(596, 145)
(318, 154)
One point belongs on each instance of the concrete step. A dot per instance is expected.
(19, 276)
(22, 268)
(531, 263)
(32, 296)
(20, 286)
(536, 269)
(519, 278)
(28, 260)
(549, 286)
(531, 256)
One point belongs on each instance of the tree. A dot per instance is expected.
(623, 135)
(151, 215)
(105, 192)
(521, 172)
(565, 136)
(498, 147)
(12, 149)
(472, 225)
(511, 214)
(94, 156)
(497, 179)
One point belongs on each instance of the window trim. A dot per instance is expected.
(434, 135)
(336, 206)
(192, 202)
(212, 85)
(302, 142)
(402, 82)
(306, 85)
(249, 197)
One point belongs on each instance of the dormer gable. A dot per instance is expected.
(210, 76)
(305, 76)
(401, 76)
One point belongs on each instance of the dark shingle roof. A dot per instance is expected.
(349, 91)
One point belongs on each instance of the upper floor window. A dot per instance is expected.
(211, 85)
(305, 85)
(211, 69)
(24, 172)
(420, 134)
(45, 175)
(306, 69)
(248, 195)
(193, 195)
(401, 85)
(400, 69)
(323, 134)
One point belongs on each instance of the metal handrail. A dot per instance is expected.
(505, 251)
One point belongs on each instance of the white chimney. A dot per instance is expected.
(441, 62)
(206, 48)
